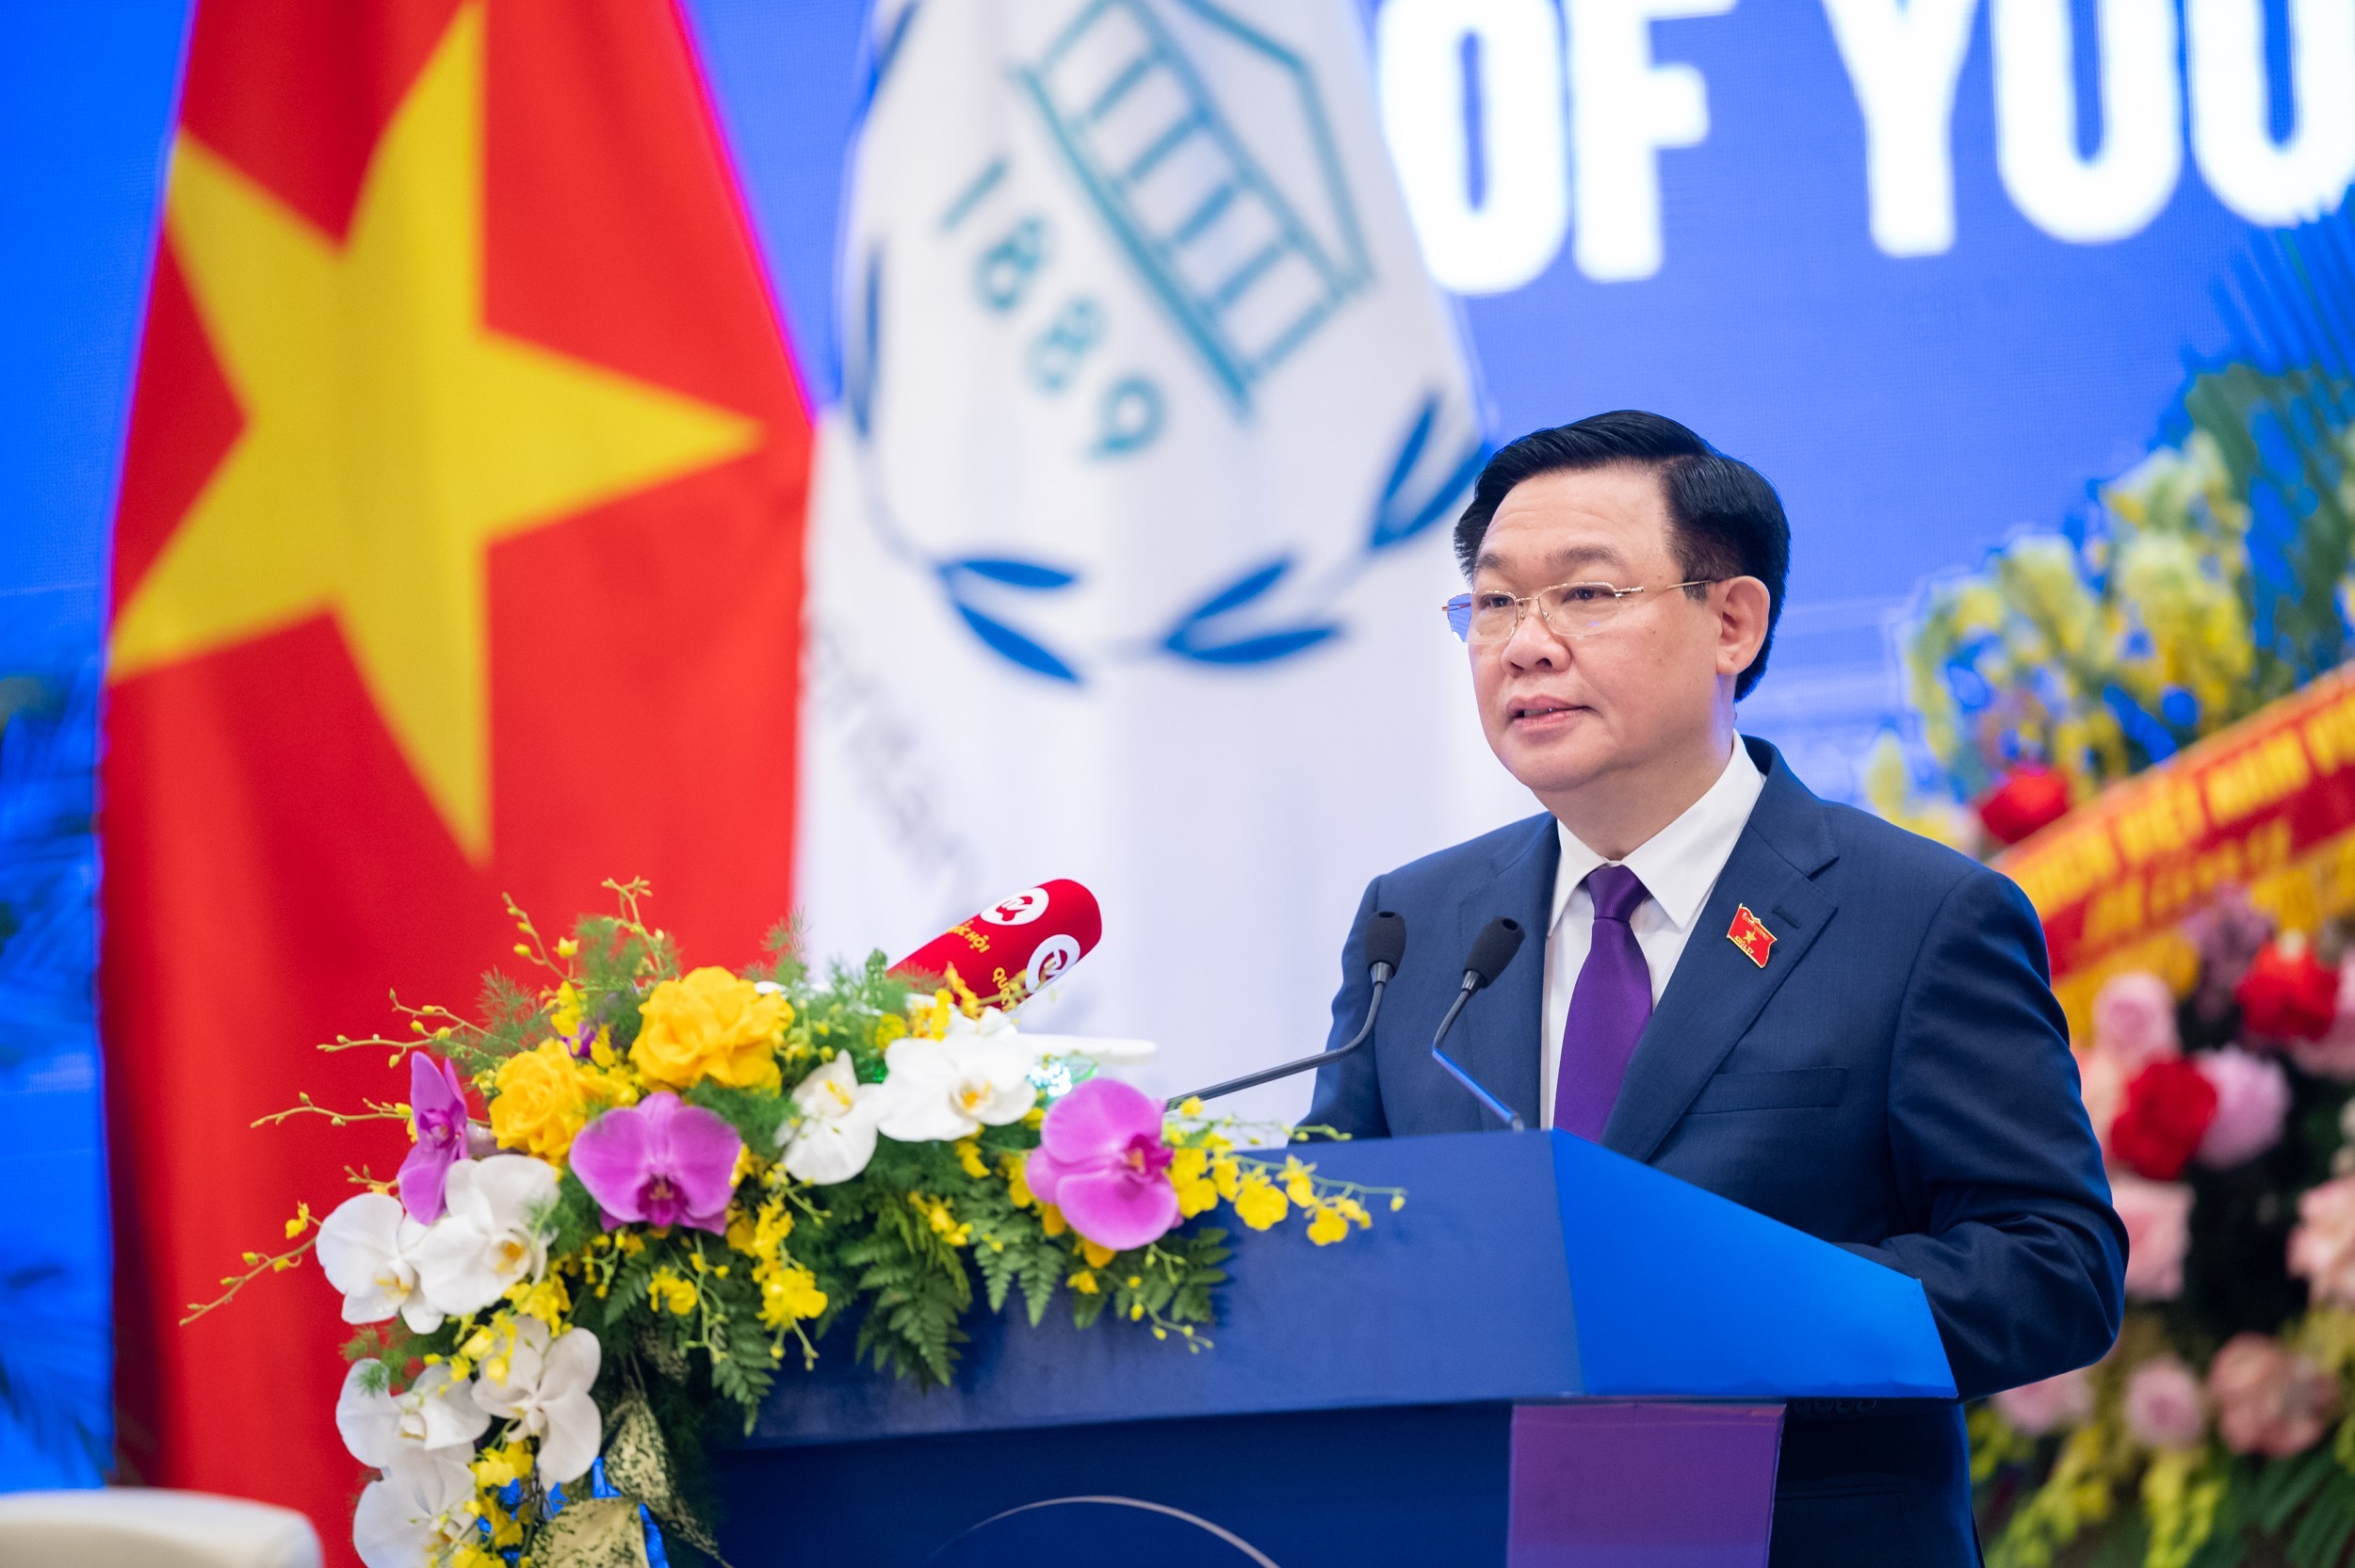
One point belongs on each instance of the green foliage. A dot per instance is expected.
(783, 948)
(1033, 1263)
(576, 1220)
(756, 1116)
(390, 1344)
(2297, 411)
(743, 1364)
(509, 1014)
(847, 1013)
(2125, 1545)
(2299, 1509)
(1200, 1258)
(917, 1294)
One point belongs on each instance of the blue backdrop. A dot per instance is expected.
(85, 95)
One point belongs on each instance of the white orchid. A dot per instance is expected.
(421, 1508)
(834, 1135)
(368, 1251)
(542, 1386)
(490, 1235)
(990, 1021)
(435, 1412)
(939, 1091)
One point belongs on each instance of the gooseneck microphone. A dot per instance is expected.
(1492, 950)
(1385, 949)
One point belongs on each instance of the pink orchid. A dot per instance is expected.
(663, 1162)
(437, 1115)
(1102, 1162)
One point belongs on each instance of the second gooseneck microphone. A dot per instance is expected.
(1385, 949)
(1492, 950)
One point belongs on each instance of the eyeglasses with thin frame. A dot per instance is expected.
(1568, 609)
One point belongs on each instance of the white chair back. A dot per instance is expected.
(149, 1527)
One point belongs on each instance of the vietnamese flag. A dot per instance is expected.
(459, 554)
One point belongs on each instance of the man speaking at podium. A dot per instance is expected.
(1791, 1004)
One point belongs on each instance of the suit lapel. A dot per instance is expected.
(1497, 1039)
(1717, 989)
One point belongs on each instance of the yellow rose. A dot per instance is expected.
(710, 1025)
(539, 1101)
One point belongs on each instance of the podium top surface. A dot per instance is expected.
(1525, 1268)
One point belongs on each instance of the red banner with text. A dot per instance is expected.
(2269, 804)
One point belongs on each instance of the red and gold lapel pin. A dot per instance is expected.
(1749, 933)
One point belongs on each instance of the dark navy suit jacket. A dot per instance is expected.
(1895, 1079)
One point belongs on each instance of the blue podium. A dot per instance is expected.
(1552, 1355)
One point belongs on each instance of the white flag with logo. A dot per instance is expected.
(1131, 525)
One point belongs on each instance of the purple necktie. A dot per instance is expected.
(1608, 1008)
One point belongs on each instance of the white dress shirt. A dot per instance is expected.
(1679, 866)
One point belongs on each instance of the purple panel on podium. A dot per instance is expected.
(1639, 1485)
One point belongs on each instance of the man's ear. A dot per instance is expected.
(1743, 606)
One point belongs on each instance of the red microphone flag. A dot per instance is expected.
(1015, 945)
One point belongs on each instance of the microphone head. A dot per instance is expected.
(1492, 950)
(1015, 945)
(1386, 939)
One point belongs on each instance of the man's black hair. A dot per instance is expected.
(1724, 519)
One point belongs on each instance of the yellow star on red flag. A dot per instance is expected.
(390, 435)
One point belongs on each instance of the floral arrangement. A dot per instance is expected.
(2204, 581)
(678, 1183)
(2066, 664)
(2226, 1411)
